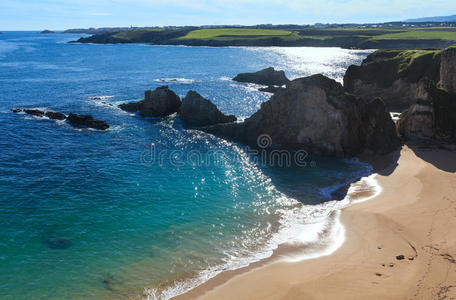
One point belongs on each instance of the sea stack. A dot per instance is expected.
(198, 111)
(157, 103)
(268, 76)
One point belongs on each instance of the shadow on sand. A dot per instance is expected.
(443, 157)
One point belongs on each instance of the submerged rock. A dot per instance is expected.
(34, 112)
(271, 89)
(16, 110)
(160, 102)
(315, 114)
(87, 121)
(392, 75)
(58, 243)
(267, 76)
(199, 111)
(55, 115)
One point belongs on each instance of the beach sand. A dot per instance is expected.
(414, 216)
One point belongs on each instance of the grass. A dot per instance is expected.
(233, 32)
(418, 35)
(133, 34)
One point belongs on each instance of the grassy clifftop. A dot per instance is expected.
(363, 38)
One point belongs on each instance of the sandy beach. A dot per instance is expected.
(414, 216)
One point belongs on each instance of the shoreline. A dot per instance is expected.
(376, 231)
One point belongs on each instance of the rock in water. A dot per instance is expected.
(267, 76)
(160, 102)
(58, 243)
(55, 115)
(199, 111)
(432, 116)
(448, 70)
(392, 75)
(315, 114)
(87, 121)
(34, 112)
(16, 110)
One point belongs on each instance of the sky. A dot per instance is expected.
(65, 14)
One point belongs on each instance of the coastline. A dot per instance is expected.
(402, 220)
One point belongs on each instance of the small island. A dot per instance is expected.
(46, 31)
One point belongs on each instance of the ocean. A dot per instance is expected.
(144, 208)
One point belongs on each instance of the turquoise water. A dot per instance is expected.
(130, 223)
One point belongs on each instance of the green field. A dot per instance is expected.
(418, 35)
(234, 32)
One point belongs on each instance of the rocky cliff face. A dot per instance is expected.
(160, 102)
(315, 114)
(198, 111)
(448, 70)
(267, 76)
(393, 75)
(432, 116)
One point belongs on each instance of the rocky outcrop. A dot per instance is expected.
(448, 70)
(315, 114)
(392, 75)
(198, 111)
(34, 112)
(432, 116)
(46, 31)
(55, 115)
(87, 121)
(73, 119)
(267, 76)
(160, 102)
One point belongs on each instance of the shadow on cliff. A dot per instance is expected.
(439, 156)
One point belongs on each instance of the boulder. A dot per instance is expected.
(392, 75)
(448, 70)
(432, 116)
(199, 111)
(160, 102)
(316, 115)
(87, 121)
(267, 76)
(34, 112)
(55, 115)
(16, 110)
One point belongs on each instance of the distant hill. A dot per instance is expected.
(434, 19)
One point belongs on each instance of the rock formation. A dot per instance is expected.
(267, 76)
(87, 121)
(432, 116)
(392, 75)
(160, 102)
(55, 115)
(196, 110)
(448, 70)
(73, 119)
(315, 114)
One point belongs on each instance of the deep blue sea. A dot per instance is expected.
(87, 214)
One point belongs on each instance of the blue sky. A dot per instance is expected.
(63, 14)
